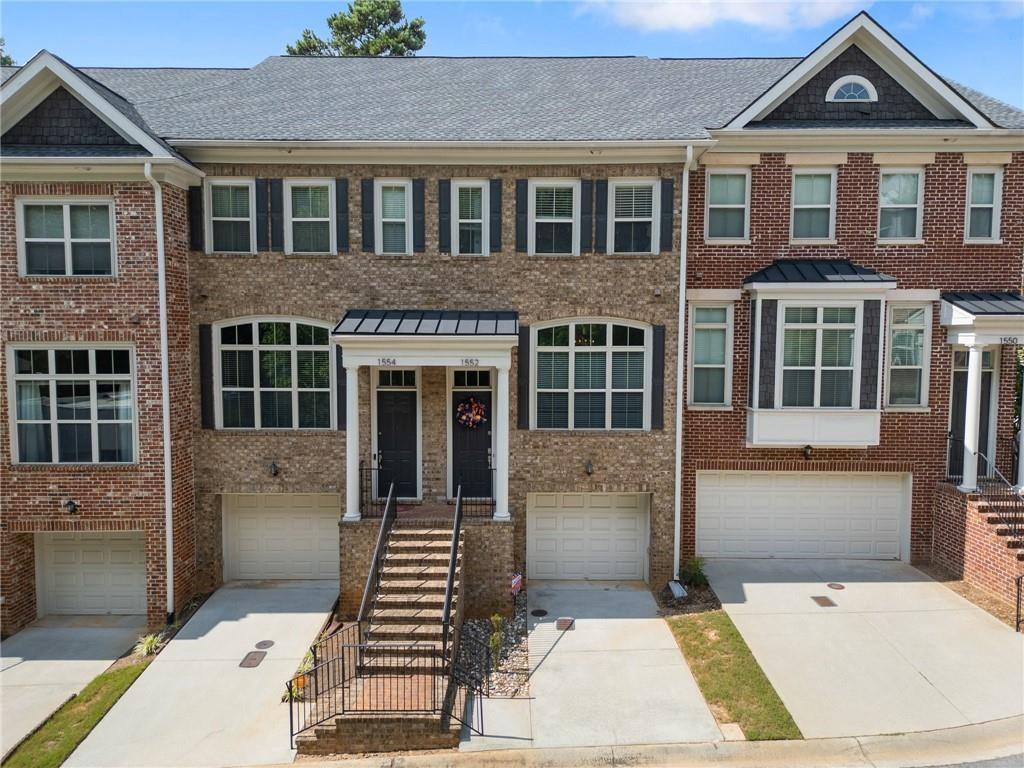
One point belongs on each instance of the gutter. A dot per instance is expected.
(165, 386)
(681, 363)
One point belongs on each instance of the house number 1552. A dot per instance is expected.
(471, 362)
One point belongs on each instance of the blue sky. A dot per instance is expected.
(978, 43)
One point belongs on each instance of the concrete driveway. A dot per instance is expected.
(898, 652)
(194, 706)
(618, 678)
(49, 662)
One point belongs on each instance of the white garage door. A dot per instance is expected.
(587, 535)
(281, 536)
(91, 572)
(801, 514)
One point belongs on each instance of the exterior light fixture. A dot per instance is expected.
(274, 469)
(71, 507)
(807, 452)
(589, 467)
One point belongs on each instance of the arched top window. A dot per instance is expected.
(591, 374)
(273, 373)
(852, 88)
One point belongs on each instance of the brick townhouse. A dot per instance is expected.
(247, 312)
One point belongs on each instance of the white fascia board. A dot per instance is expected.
(870, 140)
(165, 169)
(803, 290)
(899, 63)
(403, 351)
(42, 74)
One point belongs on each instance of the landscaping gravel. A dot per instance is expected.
(512, 676)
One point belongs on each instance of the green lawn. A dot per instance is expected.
(57, 738)
(730, 678)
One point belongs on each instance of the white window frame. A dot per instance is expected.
(723, 171)
(919, 223)
(378, 215)
(256, 348)
(289, 185)
(53, 377)
(818, 327)
(66, 203)
(925, 355)
(729, 308)
(531, 234)
(485, 209)
(996, 206)
(609, 348)
(832, 171)
(833, 89)
(655, 219)
(231, 181)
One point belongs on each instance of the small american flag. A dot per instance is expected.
(517, 584)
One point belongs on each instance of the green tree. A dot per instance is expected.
(5, 58)
(367, 28)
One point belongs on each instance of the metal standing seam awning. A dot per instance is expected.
(784, 274)
(983, 317)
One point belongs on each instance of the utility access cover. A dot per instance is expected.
(253, 659)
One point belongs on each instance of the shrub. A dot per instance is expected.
(692, 573)
(497, 622)
(147, 645)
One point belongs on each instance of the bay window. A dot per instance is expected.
(814, 214)
(231, 224)
(309, 217)
(74, 405)
(554, 215)
(900, 201)
(710, 355)
(819, 354)
(908, 355)
(984, 201)
(274, 374)
(65, 237)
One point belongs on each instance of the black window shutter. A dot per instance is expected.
(522, 212)
(276, 215)
(206, 376)
(196, 225)
(418, 216)
(870, 342)
(523, 379)
(367, 194)
(262, 214)
(341, 388)
(658, 378)
(586, 215)
(667, 214)
(601, 215)
(341, 213)
(766, 345)
(444, 215)
(495, 205)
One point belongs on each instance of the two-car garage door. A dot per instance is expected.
(802, 514)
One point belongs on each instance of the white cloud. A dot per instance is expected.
(689, 15)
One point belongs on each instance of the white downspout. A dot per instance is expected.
(681, 361)
(165, 384)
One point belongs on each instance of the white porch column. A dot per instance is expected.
(501, 426)
(972, 419)
(352, 511)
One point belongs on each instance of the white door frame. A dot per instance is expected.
(374, 378)
(450, 388)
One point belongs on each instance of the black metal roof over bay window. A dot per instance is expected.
(833, 271)
(428, 322)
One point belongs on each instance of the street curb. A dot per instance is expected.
(982, 741)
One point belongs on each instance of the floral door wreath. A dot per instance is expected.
(471, 413)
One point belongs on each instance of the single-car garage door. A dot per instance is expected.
(587, 535)
(281, 536)
(801, 514)
(91, 572)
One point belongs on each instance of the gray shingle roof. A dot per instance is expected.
(417, 322)
(986, 302)
(816, 271)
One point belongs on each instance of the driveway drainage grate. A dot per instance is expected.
(253, 659)
(538, 612)
(823, 601)
(565, 623)
(264, 644)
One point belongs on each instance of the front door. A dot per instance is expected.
(471, 445)
(397, 458)
(958, 417)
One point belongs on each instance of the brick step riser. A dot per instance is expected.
(433, 617)
(411, 587)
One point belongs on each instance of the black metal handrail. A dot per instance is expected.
(477, 491)
(453, 554)
(377, 563)
(1003, 501)
(1020, 603)
(371, 502)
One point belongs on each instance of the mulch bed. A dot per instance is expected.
(697, 600)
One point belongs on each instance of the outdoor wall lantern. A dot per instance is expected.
(589, 467)
(807, 452)
(71, 507)
(274, 469)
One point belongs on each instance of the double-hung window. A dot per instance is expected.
(309, 217)
(908, 356)
(819, 356)
(727, 214)
(469, 224)
(231, 222)
(394, 212)
(74, 405)
(900, 199)
(66, 237)
(710, 355)
(274, 374)
(592, 375)
(631, 221)
(554, 218)
(814, 210)
(984, 201)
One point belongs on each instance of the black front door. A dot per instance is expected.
(959, 417)
(471, 448)
(396, 442)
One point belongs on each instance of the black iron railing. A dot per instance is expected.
(449, 588)
(1004, 502)
(1020, 603)
(380, 551)
(477, 486)
(371, 500)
